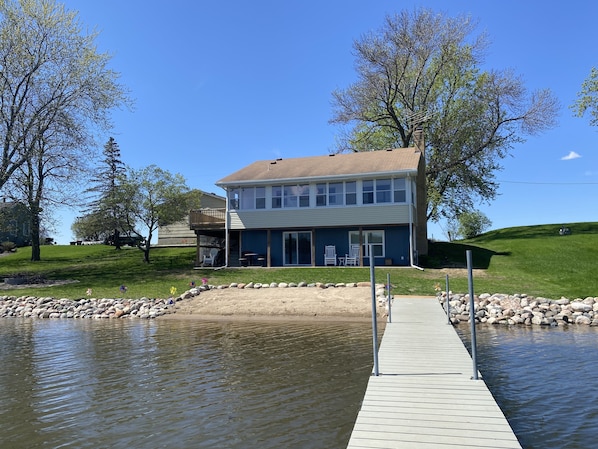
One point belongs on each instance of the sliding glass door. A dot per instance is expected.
(297, 248)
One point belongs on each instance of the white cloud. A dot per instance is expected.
(570, 156)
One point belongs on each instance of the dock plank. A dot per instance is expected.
(425, 396)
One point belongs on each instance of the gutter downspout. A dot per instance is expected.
(226, 233)
(411, 241)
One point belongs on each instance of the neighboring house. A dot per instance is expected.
(203, 228)
(287, 211)
(15, 222)
(180, 233)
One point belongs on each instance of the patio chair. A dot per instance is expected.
(330, 255)
(351, 258)
(211, 258)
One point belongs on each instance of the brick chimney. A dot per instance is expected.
(418, 139)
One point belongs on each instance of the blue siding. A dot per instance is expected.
(396, 240)
(397, 245)
(255, 241)
(331, 236)
(277, 260)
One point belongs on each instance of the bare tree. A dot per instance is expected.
(56, 93)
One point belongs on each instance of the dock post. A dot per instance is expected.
(474, 356)
(388, 298)
(448, 306)
(374, 321)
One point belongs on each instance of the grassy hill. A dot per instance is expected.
(534, 259)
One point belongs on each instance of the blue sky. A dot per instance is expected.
(218, 85)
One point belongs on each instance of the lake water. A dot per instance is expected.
(545, 380)
(193, 384)
(180, 384)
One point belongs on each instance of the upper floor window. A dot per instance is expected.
(260, 197)
(367, 192)
(350, 193)
(321, 193)
(399, 190)
(380, 191)
(296, 195)
(372, 191)
(233, 198)
(335, 194)
(276, 197)
(247, 198)
(383, 191)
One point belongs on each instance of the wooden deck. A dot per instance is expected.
(424, 396)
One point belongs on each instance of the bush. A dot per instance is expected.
(472, 224)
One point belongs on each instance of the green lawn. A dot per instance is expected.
(535, 260)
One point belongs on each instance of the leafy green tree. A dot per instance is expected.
(56, 91)
(472, 224)
(587, 98)
(154, 197)
(422, 70)
(89, 227)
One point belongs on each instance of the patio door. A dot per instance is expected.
(297, 248)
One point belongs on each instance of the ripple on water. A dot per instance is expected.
(130, 384)
(544, 380)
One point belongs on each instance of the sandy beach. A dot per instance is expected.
(293, 303)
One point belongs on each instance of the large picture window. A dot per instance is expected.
(373, 238)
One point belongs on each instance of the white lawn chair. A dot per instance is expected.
(353, 256)
(330, 255)
(209, 260)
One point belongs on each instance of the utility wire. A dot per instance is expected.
(550, 183)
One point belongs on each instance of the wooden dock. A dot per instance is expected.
(424, 396)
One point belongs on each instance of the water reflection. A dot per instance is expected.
(544, 379)
(120, 383)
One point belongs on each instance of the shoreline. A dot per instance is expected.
(267, 318)
(302, 302)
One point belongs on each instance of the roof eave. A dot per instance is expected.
(307, 179)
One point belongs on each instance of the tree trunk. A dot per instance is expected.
(146, 249)
(116, 238)
(35, 245)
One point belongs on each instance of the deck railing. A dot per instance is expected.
(208, 218)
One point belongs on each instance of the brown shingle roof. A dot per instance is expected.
(338, 165)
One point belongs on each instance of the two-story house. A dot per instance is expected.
(287, 211)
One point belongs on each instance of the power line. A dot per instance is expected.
(550, 183)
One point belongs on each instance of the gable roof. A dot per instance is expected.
(347, 165)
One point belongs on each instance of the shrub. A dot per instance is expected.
(7, 247)
(472, 224)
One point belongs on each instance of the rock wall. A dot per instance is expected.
(522, 309)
